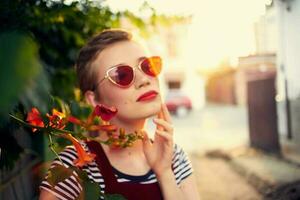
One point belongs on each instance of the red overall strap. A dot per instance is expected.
(131, 191)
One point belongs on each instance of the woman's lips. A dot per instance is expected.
(148, 96)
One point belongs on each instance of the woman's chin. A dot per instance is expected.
(152, 112)
(150, 115)
(145, 113)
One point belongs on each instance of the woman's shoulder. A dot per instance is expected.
(181, 164)
(178, 152)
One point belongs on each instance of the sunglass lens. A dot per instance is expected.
(152, 66)
(122, 75)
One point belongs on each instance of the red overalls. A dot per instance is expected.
(131, 191)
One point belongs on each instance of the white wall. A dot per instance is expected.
(288, 56)
(266, 32)
(289, 44)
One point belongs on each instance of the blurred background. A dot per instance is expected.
(230, 80)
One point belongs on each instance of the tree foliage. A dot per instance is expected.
(60, 30)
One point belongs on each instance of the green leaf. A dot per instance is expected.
(91, 190)
(60, 105)
(59, 173)
(114, 197)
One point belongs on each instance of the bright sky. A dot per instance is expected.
(220, 28)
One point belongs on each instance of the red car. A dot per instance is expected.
(178, 103)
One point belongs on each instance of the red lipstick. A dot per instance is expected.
(148, 96)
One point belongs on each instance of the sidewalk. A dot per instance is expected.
(290, 150)
(273, 176)
(217, 180)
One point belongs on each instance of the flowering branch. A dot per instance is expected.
(57, 121)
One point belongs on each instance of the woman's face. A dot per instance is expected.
(126, 100)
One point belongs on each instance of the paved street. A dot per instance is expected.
(215, 127)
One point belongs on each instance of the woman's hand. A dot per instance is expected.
(159, 154)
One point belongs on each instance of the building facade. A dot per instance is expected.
(283, 17)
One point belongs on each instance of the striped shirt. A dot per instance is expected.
(70, 188)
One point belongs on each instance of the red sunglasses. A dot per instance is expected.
(124, 75)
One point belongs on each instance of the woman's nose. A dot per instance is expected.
(141, 79)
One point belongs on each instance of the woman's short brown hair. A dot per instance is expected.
(85, 73)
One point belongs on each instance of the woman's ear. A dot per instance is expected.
(90, 97)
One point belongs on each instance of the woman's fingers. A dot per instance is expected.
(160, 116)
(164, 124)
(166, 113)
(163, 120)
(165, 136)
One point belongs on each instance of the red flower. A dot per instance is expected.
(88, 124)
(57, 119)
(83, 156)
(34, 118)
(106, 113)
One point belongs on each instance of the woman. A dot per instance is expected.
(114, 70)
